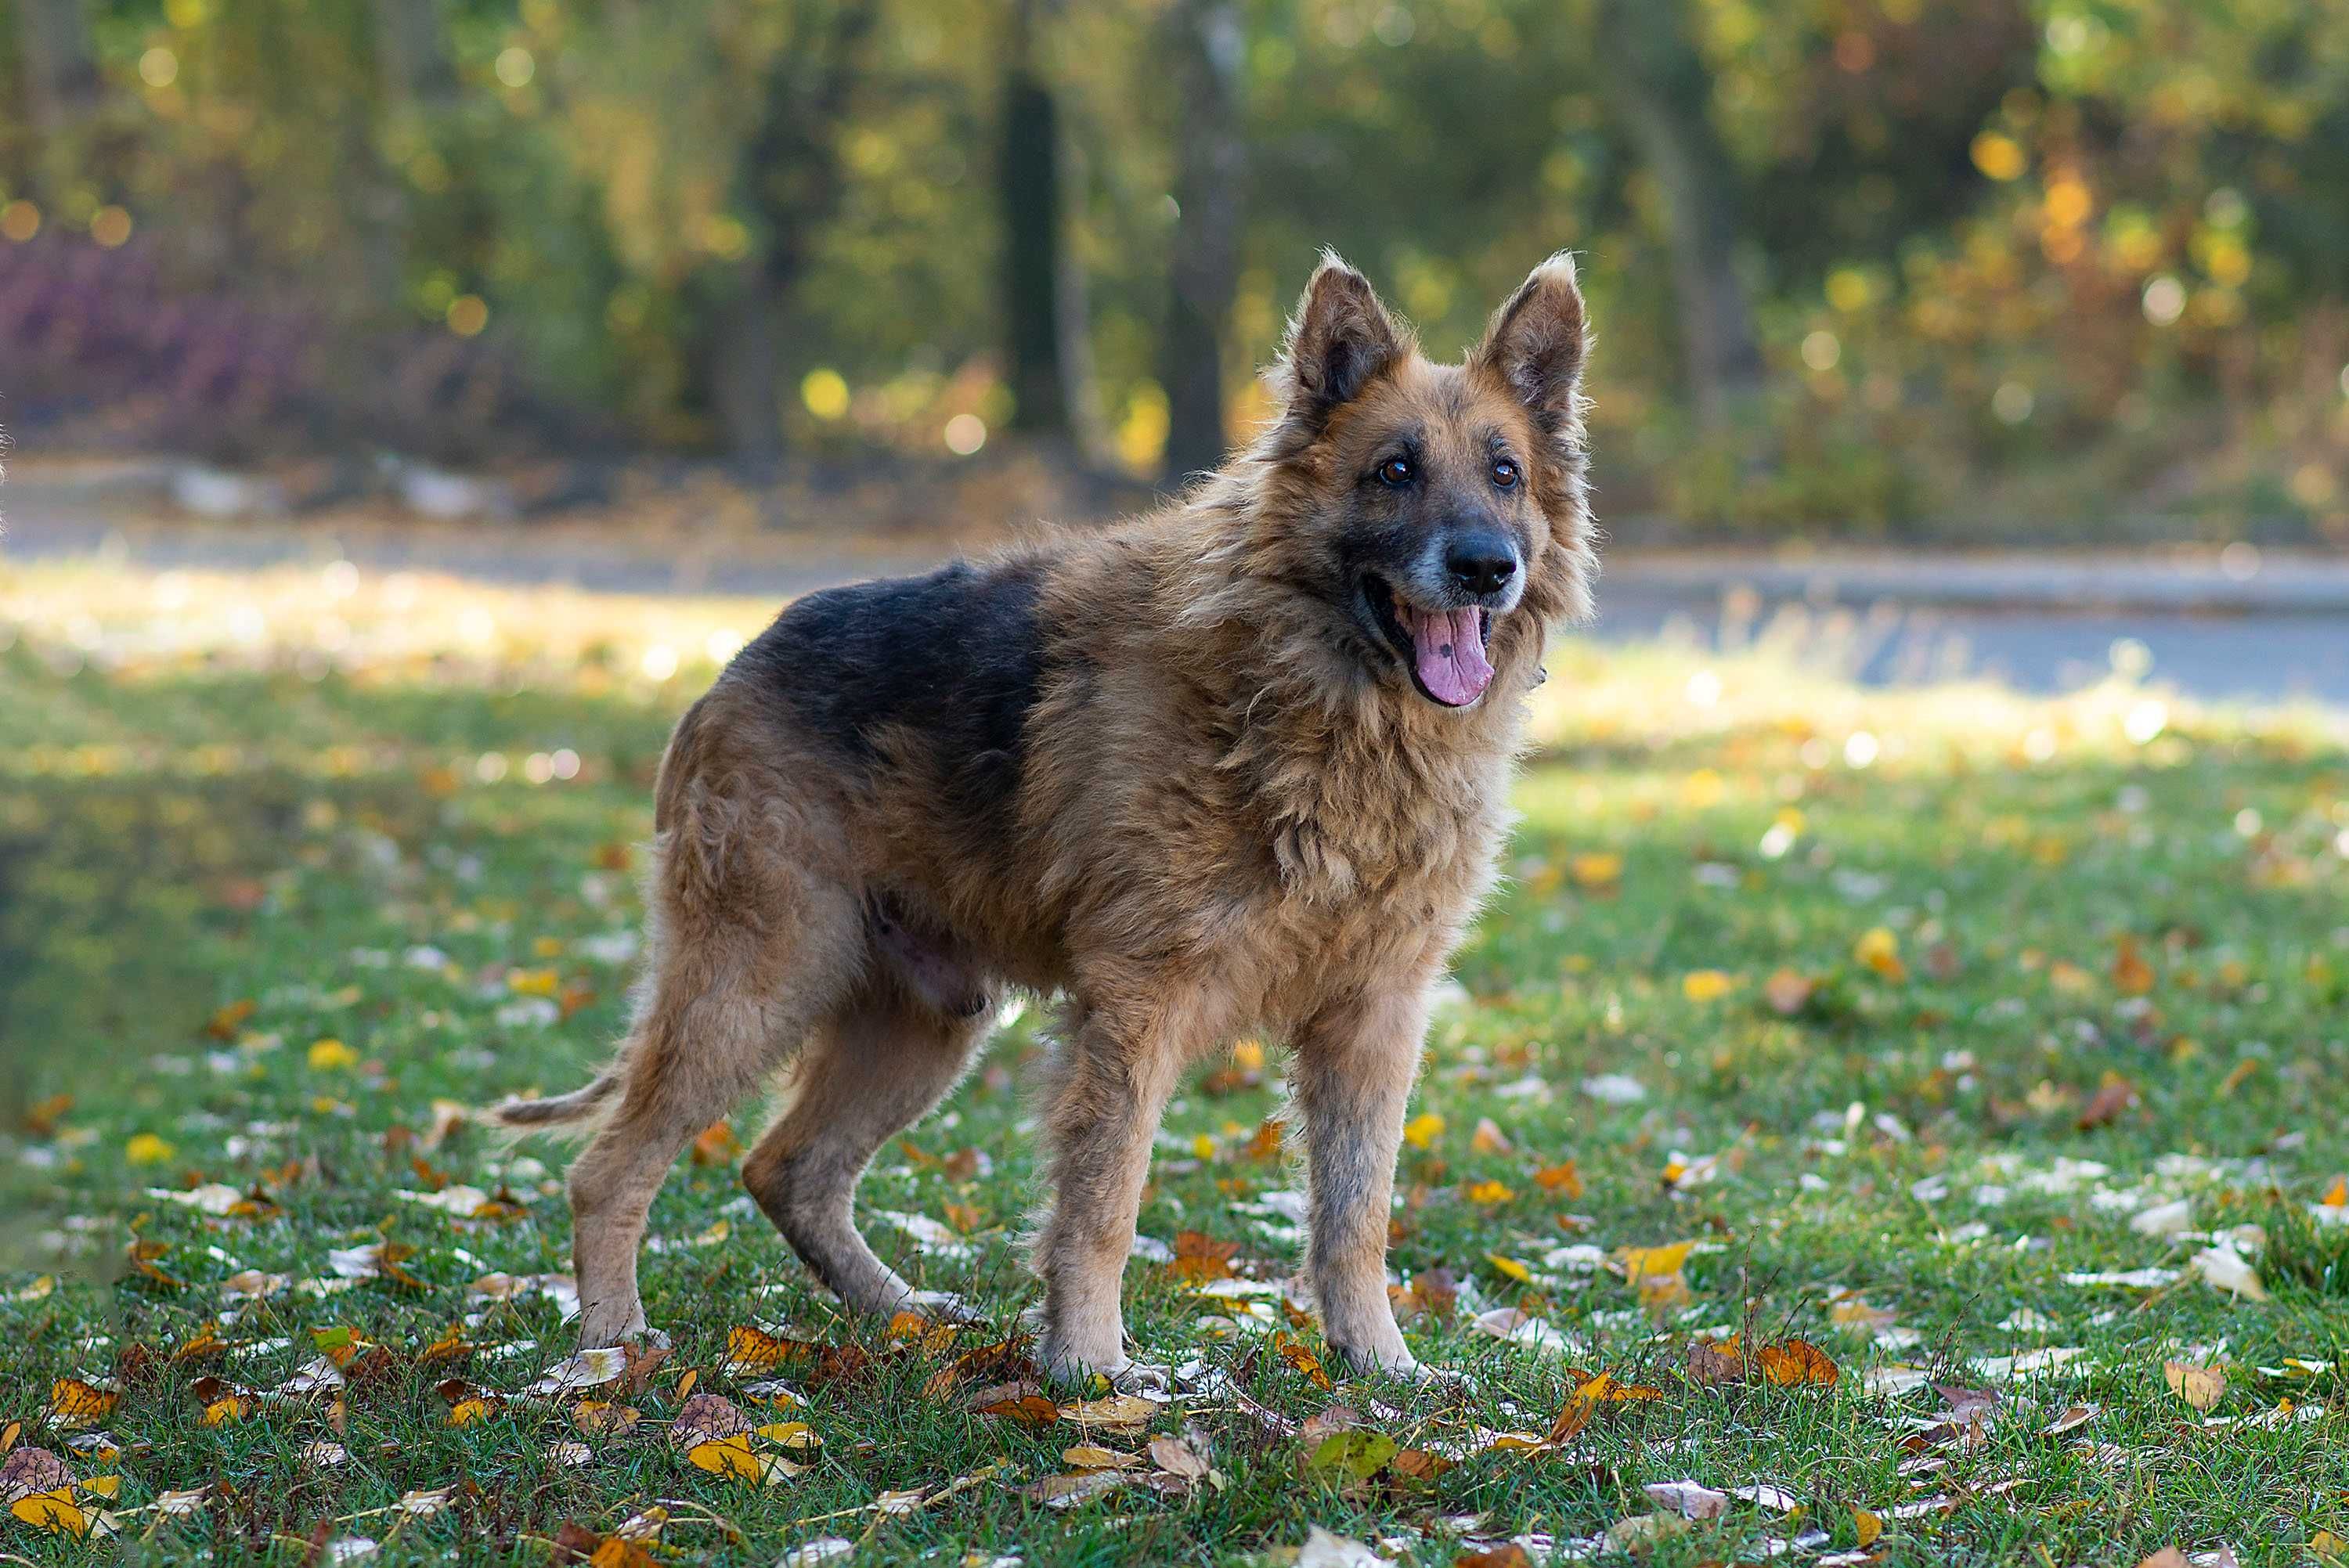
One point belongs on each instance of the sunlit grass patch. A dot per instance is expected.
(1988, 1065)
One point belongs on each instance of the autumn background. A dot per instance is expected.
(1891, 1113)
(1986, 269)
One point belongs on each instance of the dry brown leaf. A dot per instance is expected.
(1093, 1457)
(1118, 1411)
(2113, 1097)
(1199, 1257)
(1509, 1554)
(2200, 1386)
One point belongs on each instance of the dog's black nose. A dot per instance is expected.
(1480, 563)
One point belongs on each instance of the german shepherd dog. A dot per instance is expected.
(1240, 764)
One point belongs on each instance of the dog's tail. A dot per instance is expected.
(566, 1111)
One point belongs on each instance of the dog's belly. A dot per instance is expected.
(932, 963)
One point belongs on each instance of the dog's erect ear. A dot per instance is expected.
(1536, 341)
(1340, 338)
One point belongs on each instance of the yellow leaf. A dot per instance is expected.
(1706, 985)
(1203, 1147)
(1653, 1262)
(75, 1403)
(1869, 1527)
(106, 1486)
(533, 982)
(727, 1457)
(331, 1055)
(2337, 1195)
(53, 1512)
(1596, 870)
(1489, 1193)
(146, 1149)
(1879, 949)
(1421, 1131)
(2328, 1547)
(791, 1435)
(465, 1412)
(1511, 1267)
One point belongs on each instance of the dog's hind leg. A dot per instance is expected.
(1355, 1062)
(751, 951)
(880, 1066)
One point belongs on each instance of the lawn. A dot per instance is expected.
(1913, 1118)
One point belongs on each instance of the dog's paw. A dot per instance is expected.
(946, 1306)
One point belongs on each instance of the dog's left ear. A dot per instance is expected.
(1536, 341)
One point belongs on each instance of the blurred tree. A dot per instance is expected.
(1663, 90)
(1036, 298)
(61, 85)
(1206, 52)
(413, 52)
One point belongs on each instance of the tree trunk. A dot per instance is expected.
(1664, 92)
(746, 375)
(61, 86)
(412, 53)
(1028, 179)
(790, 180)
(1206, 52)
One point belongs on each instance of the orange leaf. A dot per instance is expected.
(1199, 1257)
(1561, 1178)
(1795, 1361)
(1303, 1360)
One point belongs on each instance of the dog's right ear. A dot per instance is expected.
(1340, 338)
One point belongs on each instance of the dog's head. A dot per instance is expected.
(1433, 513)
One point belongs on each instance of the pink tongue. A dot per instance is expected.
(1450, 648)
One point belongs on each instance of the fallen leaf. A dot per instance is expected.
(1788, 990)
(1561, 1178)
(1355, 1455)
(2113, 1097)
(1323, 1550)
(1059, 1491)
(1689, 1499)
(1092, 1457)
(2200, 1386)
(1116, 1411)
(1795, 1361)
(1199, 1257)
(75, 1403)
(2223, 1268)
(1867, 1526)
(1300, 1357)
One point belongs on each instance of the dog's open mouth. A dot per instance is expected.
(1443, 649)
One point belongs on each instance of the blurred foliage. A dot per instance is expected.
(2008, 261)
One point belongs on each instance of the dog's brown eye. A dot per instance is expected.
(1396, 472)
(1505, 473)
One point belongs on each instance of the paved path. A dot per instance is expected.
(2233, 626)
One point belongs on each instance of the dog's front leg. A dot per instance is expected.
(1355, 1062)
(1113, 1086)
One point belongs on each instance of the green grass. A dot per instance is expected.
(194, 821)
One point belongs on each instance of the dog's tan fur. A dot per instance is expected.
(1226, 818)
